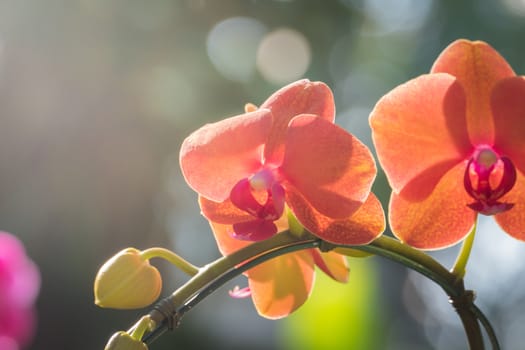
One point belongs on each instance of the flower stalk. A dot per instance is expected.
(460, 265)
(168, 312)
(171, 257)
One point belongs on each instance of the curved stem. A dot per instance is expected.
(210, 277)
(461, 261)
(486, 324)
(222, 279)
(167, 308)
(171, 257)
(412, 258)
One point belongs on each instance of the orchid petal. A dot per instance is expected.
(419, 131)
(440, 220)
(227, 215)
(331, 168)
(254, 230)
(224, 237)
(301, 97)
(513, 220)
(478, 67)
(508, 107)
(333, 264)
(240, 293)
(215, 157)
(362, 227)
(281, 285)
(222, 213)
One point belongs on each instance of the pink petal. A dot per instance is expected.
(478, 67)
(419, 131)
(508, 107)
(216, 156)
(331, 169)
(440, 220)
(240, 293)
(281, 285)
(254, 230)
(301, 97)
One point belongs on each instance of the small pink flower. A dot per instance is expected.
(19, 285)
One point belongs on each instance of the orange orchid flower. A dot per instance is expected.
(452, 144)
(281, 285)
(288, 153)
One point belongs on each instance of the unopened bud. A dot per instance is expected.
(127, 281)
(123, 341)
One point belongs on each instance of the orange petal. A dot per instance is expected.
(331, 168)
(362, 227)
(226, 215)
(513, 220)
(333, 264)
(223, 236)
(419, 132)
(279, 286)
(223, 212)
(215, 157)
(440, 220)
(478, 67)
(508, 107)
(301, 97)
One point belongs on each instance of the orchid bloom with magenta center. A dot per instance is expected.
(452, 144)
(285, 155)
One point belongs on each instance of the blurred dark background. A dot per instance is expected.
(96, 97)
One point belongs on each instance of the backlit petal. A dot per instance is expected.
(333, 264)
(362, 227)
(508, 107)
(223, 213)
(419, 132)
(478, 67)
(513, 220)
(440, 220)
(228, 214)
(226, 243)
(281, 285)
(331, 168)
(215, 157)
(301, 97)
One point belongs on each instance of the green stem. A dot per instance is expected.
(277, 245)
(412, 258)
(171, 257)
(461, 261)
(486, 324)
(220, 266)
(143, 324)
(211, 276)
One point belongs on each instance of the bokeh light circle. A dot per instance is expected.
(283, 56)
(232, 47)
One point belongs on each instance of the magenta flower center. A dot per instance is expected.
(487, 178)
(262, 196)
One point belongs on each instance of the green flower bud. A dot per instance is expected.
(127, 281)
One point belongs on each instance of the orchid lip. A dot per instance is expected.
(489, 176)
(263, 197)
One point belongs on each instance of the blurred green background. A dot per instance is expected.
(96, 97)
